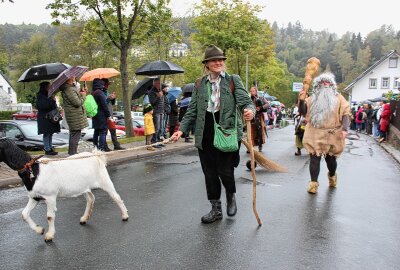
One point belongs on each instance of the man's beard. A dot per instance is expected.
(323, 104)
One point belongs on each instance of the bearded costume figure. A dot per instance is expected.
(328, 118)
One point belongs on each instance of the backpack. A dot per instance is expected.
(374, 113)
(360, 116)
(90, 105)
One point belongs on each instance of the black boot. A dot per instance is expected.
(215, 213)
(231, 208)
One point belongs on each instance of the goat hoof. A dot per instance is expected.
(48, 239)
(125, 219)
(82, 222)
(39, 230)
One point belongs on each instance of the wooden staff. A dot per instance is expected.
(312, 70)
(253, 172)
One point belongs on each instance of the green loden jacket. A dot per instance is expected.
(73, 107)
(198, 106)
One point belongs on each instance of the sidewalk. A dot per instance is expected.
(135, 150)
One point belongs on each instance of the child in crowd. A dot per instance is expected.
(149, 128)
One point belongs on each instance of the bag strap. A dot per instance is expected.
(209, 97)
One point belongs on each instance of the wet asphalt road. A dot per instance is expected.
(355, 226)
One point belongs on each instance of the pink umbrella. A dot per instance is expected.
(75, 71)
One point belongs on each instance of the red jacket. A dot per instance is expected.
(385, 117)
(360, 111)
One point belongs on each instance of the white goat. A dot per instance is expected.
(68, 177)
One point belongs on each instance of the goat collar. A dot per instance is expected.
(28, 165)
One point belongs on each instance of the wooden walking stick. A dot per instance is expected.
(253, 172)
(312, 70)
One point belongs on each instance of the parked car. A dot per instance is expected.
(25, 135)
(134, 115)
(137, 125)
(118, 115)
(25, 115)
(87, 133)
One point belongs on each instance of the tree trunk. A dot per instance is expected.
(125, 91)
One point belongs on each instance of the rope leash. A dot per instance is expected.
(101, 153)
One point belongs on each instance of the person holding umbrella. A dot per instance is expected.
(111, 98)
(45, 104)
(75, 115)
(100, 123)
(217, 95)
(159, 102)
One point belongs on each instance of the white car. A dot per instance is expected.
(87, 133)
(134, 115)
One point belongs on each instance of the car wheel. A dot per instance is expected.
(29, 119)
(14, 118)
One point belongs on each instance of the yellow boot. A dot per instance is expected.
(332, 180)
(312, 187)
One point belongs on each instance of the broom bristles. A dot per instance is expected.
(265, 162)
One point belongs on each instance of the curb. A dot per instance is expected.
(392, 151)
(112, 161)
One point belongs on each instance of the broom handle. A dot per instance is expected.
(253, 172)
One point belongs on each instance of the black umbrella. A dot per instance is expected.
(142, 87)
(366, 102)
(379, 99)
(43, 72)
(159, 68)
(188, 88)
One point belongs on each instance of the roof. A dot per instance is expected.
(377, 63)
(5, 78)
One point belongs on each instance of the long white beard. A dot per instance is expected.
(323, 104)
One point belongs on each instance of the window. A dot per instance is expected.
(372, 83)
(11, 131)
(396, 82)
(393, 62)
(9, 90)
(385, 83)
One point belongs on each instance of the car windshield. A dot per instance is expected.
(138, 123)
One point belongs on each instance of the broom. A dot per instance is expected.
(261, 159)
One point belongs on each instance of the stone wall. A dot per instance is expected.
(394, 137)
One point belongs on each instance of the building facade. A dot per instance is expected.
(380, 78)
(7, 93)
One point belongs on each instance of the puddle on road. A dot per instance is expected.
(177, 159)
(245, 180)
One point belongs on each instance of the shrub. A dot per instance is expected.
(6, 115)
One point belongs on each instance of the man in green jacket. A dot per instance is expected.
(217, 95)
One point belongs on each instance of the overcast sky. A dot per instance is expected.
(337, 16)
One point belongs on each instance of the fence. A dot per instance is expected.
(395, 110)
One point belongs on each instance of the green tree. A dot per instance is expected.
(232, 25)
(3, 62)
(37, 50)
(122, 21)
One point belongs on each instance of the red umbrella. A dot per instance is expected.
(75, 71)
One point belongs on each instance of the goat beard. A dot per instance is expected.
(323, 105)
